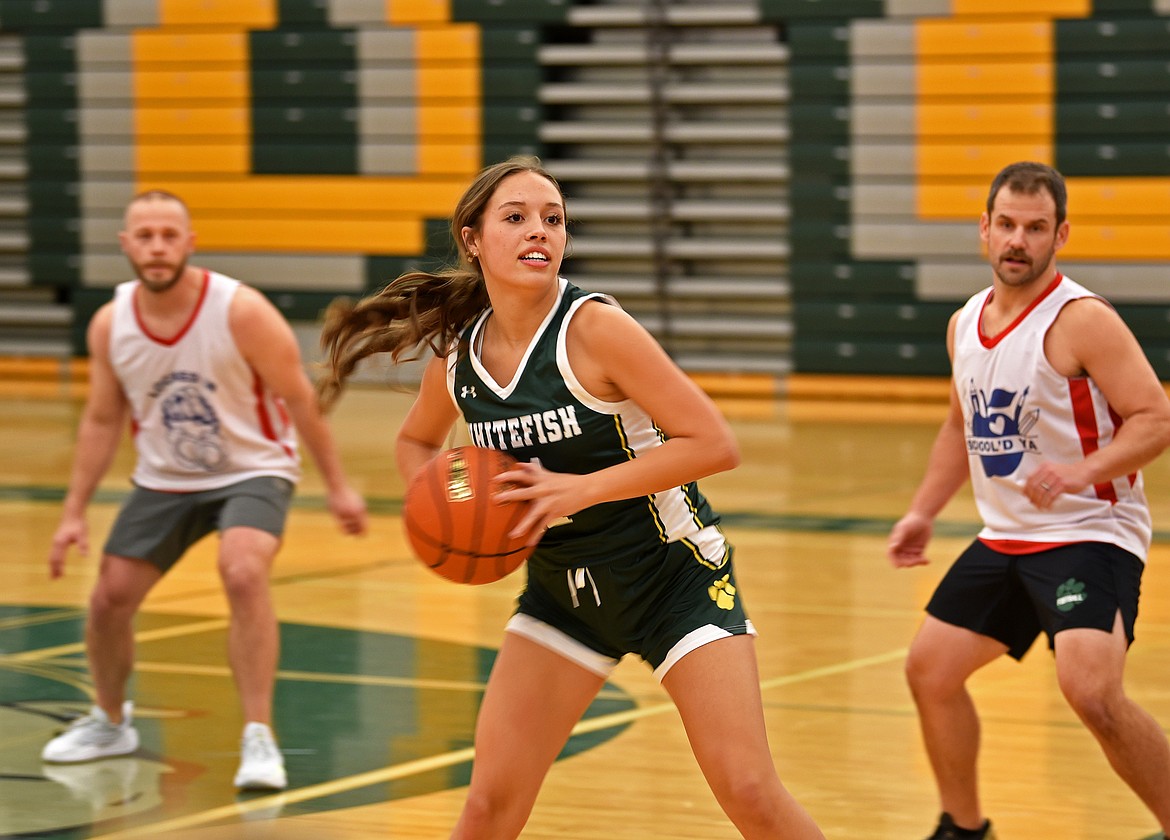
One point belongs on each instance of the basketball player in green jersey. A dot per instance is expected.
(611, 437)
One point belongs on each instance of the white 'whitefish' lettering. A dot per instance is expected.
(527, 429)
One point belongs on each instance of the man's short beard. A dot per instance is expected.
(154, 285)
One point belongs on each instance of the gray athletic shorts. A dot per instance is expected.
(159, 527)
(660, 605)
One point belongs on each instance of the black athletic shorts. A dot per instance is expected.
(660, 605)
(1013, 597)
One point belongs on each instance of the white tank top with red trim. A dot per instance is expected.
(202, 418)
(1019, 411)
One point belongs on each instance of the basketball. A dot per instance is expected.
(455, 526)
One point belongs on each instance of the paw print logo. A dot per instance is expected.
(722, 592)
(1069, 594)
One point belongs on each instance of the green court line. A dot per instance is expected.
(815, 523)
(39, 494)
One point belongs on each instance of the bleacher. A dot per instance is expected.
(321, 146)
(771, 186)
(665, 123)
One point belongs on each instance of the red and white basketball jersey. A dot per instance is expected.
(1019, 411)
(202, 418)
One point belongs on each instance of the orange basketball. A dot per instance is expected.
(453, 522)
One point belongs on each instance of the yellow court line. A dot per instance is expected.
(142, 636)
(340, 679)
(47, 617)
(833, 670)
(423, 765)
(313, 676)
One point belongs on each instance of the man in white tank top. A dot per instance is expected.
(1054, 410)
(209, 375)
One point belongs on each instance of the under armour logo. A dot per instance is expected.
(467, 391)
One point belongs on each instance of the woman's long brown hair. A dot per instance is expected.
(419, 308)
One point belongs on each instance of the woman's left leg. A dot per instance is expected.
(533, 700)
(716, 689)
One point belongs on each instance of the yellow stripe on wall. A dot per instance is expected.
(1046, 8)
(459, 41)
(1089, 199)
(1117, 243)
(451, 120)
(316, 234)
(409, 12)
(329, 194)
(445, 82)
(1019, 120)
(1144, 198)
(189, 49)
(187, 86)
(220, 122)
(950, 40)
(435, 159)
(248, 14)
(942, 161)
(1028, 81)
(951, 202)
(166, 160)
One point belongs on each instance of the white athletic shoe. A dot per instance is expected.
(92, 737)
(261, 764)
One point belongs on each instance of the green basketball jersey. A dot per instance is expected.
(545, 413)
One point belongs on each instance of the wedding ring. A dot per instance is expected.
(1044, 487)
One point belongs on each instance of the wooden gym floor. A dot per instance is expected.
(383, 661)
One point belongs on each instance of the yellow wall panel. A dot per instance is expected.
(435, 158)
(1024, 81)
(254, 14)
(326, 194)
(190, 48)
(1143, 198)
(1002, 120)
(1015, 8)
(1117, 243)
(458, 41)
(444, 120)
(404, 12)
(447, 82)
(218, 122)
(941, 160)
(169, 159)
(192, 86)
(314, 234)
(950, 202)
(955, 38)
